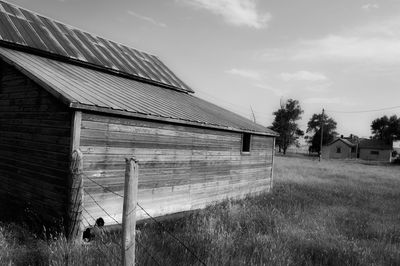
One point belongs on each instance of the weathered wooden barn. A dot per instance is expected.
(64, 89)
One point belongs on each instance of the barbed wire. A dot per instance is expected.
(98, 204)
(147, 213)
(104, 187)
(147, 252)
(102, 242)
(89, 215)
(102, 253)
(86, 218)
(172, 235)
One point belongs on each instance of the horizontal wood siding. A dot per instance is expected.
(180, 168)
(34, 145)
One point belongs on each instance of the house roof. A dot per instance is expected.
(89, 89)
(25, 30)
(374, 144)
(345, 141)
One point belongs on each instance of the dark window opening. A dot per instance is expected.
(375, 152)
(246, 139)
(353, 149)
(338, 150)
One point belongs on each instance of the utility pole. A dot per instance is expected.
(322, 133)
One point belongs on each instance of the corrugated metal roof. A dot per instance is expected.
(30, 30)
(86, 88)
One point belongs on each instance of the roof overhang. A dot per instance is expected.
(26, 64)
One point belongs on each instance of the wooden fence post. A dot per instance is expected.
(129, 211)
(75, 197)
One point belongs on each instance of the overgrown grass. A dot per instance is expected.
(320, 213)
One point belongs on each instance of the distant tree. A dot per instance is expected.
(314, 127)
(285, 124)
(386, 128)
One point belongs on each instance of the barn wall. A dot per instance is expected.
(181, 168)
(384, 155)
(34, 146)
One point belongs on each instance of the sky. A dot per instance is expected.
(244, 55)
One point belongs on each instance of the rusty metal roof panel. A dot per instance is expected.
(87, 88)
(29, 30)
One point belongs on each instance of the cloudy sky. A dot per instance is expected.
(340, 55)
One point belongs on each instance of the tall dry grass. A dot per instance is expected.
(320, 213)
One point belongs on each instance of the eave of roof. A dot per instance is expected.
(91, 108)
(88, 89)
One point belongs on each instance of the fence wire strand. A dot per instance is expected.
(98, 204)
(104, 243)
(147, 252)
(172, 235)
(104, 187)
(147, 213)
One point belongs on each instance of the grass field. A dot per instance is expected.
(320, 213)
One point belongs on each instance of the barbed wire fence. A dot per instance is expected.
(108, 247)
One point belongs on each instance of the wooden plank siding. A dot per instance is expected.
(35, 133)
(180, 167)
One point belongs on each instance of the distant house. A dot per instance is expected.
(374, 150)
(340, 148)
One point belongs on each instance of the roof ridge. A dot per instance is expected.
(30, 31)
(82, 30)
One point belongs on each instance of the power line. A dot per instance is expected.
(243, 110)
(364, 111)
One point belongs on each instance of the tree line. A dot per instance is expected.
(286, 120)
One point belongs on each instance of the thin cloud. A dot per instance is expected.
(320, 88)
(234, 12)
(278, 92)
(245, 73)
(331, 100)
(303, 76)
(368, 7)
(336, 47)
(148, 19)
(377, 42)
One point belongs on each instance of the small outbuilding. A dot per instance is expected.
(63, 89)
(375, 150)
(340, 148)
